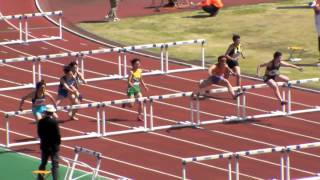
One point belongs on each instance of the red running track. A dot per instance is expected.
(157, 155)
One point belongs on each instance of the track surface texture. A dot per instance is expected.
(153, 155)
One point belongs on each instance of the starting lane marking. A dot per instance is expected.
(3, 52)
(45, 48)
(83, 44)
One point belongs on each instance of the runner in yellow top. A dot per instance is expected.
(134, 90)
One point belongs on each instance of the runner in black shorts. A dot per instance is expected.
(233, 54)
(272, 73)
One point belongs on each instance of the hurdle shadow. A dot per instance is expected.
(294, 7)
(113, 120)
(242, 122)
(180, 128)
(26, 139)
(95, 21)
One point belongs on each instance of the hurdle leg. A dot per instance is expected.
(73, 165)
(60, 26)
(34, 73)
(125, 64)
(145, 115)
(192, 111)
(39, 70)
(167, 59)
(20, 30)
(229, 169)
(289, 99)
(237, 167)
(98, 121)
(162, 59)
(103, 122)
(7, 132)
(282, 168)
(203, 61)
(184, 170)
(283, 99)
(238, 107)
(198, 111)
(26, 29)
(119, 64)
(151, 114)
(82, 65)
(244, 105)
(287, 166)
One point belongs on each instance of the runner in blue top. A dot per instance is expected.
(67, 89)
(38, 98)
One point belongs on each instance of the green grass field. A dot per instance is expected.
(263, 28)
(16, 166)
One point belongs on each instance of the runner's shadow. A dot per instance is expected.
(95, 21)
(199, 16)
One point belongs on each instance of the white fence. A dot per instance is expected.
(284, 161)
(122, 61)
(24, 29)
(194, 120)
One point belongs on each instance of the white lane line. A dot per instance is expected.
(3, 52)
(44, 48)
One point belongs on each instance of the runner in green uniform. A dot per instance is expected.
(134, 81)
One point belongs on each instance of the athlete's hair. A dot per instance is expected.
(277, 54)
(40, 83)
(133, 61)
(220, 57)
(73, 63)
(66, 69)
(235, 37)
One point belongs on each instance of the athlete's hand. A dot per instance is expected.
(146, 88)
(301, 69)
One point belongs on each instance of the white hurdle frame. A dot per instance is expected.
(122, 61)
(284, 159)
(74, 162)
(24, 27)
(194, 112)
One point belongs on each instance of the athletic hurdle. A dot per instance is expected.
(122, 61)
(101, 120)
(240, 108)
(71, 163)
(284, 160)
(24, 29)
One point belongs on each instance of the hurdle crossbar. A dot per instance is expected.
(194, 111)
(122, 59)
(237, 155)
(24, 27)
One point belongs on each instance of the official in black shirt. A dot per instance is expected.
(50, 139)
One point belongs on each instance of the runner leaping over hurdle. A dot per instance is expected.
(134, 90)
(216, 76)
(38, 98)
(67, 89)
(272, 73)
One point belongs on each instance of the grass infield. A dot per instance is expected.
(264, 29)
